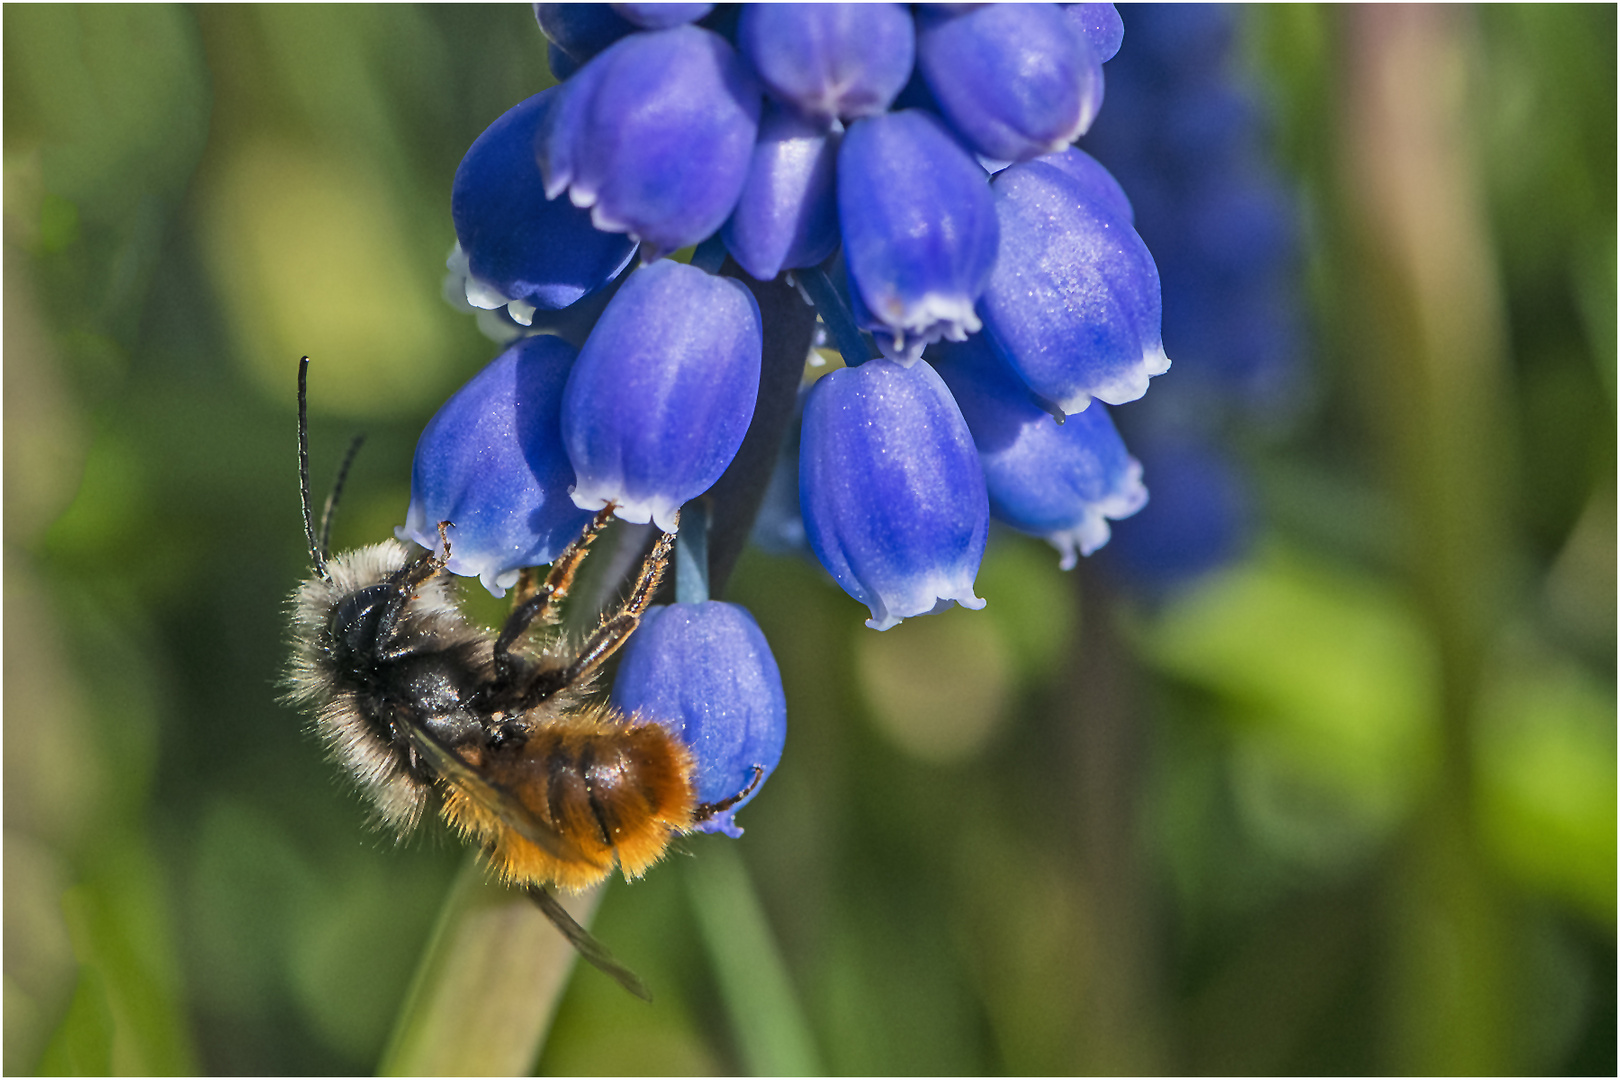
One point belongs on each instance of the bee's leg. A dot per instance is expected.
(407, 580)
(705, 811)
(537, 600)
(525, 588)
(616, 629)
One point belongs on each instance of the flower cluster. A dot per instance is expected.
(911, 171)
(1189, 139)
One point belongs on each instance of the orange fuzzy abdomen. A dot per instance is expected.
(617, 790)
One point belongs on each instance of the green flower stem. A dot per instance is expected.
(1435, 355)
(692, 554)
(488, 985)
(855, 347)
(772, 1033)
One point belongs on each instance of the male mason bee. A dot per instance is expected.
(418, 702)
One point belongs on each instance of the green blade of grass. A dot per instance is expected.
(488, 985)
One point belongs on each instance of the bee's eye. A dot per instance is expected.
(354, 622)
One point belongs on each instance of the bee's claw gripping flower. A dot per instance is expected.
(919, 228)
(829, 61)
(520, 249)
(663, 391)
(492, 462)
(1061, 482)
(1073, 305)
(655, 135)
(706, 672)
(1015, 80)
(891, 489)
(786, 217)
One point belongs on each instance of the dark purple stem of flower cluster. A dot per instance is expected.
(836, 316)
(789, 324)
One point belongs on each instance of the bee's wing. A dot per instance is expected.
(502, 802)
(593, 951)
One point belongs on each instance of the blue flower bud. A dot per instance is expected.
(1199, 520)
(663, 391)
(492, 462)
(662, 16)
(1061, 482)
(706, 672)
(517, 249)
(580, 31)
(1016, 80)
(920, 231)
(893, 497)
(829, 60)
(1073, 305)
(786, 217)
(1101, 25)
(655, 136)
(561, 64)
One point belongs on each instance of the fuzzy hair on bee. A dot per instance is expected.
(421, 705)
(345, 710)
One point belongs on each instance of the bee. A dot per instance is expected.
(423, 706)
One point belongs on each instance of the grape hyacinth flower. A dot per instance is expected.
(654, 136)
(705, 671)
(662, 393)
(919, 229)
(714, 199)
(829, 61)
(514, 248)
(491, 461)
(1068, 246)
(848, 147)
(1016, 80)
(1061, 482)
(786, 217)
(891, 489)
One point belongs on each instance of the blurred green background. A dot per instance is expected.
(1347, 806)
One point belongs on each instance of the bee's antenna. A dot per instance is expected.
(337, 492)
(317, 546)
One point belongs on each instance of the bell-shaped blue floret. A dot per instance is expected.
(893, 497)
(654, 136)
(580, 31)
(662, 16)
(829, 60)
(705, 672)
(920, 231)
(491, 462)
(786, 217)
(1015, 80)
(1073, 305)
(663, 391)
(1061, 482)
(514, 246)
(1101, 25)
(1097, 184)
